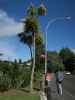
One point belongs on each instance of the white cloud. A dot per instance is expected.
(7, 50)
(73, 50)
(8, 25)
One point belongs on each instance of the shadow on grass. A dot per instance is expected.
(36, 89)
(28, 90)
(25, 90)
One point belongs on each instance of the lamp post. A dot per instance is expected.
(47, 26)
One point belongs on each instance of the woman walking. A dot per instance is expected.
(59, 79)
(48, 79)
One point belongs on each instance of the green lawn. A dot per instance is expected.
(19, 97)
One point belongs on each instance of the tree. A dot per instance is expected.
(34, 28)
(68, 58)
(39, 51)
(20, 61)
(54, 61)
(31, 30)
(24, 38)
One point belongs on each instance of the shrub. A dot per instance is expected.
(4, 82)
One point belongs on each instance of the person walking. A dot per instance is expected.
(48, 79)
(59, 79)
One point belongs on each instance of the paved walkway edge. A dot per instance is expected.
(43, 96)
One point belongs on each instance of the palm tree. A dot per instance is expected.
(31, 26)
(26, 40)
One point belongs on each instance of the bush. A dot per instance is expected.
(4, 82)
(26, 79)
(13, 76)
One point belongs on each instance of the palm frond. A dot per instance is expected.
(25, 38)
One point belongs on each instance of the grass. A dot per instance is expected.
(19, 98)
(18, 95)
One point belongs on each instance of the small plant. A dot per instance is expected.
(31, 10)
(42, 10)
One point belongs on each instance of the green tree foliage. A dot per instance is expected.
(4, 67)
(31, 24)
(68, 58)
(54, 61)
(24, 38)
(31, 10)
(31, 29)
(39, 51)
(20, 61)
(42, 10)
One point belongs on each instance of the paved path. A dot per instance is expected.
(67, 94)
(54, 94)
(67, 89)
(43, 96)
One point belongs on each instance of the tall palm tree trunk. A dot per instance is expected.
(33, 68)
(30, 53)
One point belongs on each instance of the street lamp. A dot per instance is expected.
(50, 22)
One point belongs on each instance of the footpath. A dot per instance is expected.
(54, 95)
